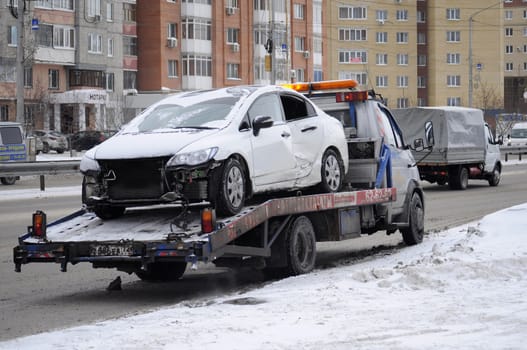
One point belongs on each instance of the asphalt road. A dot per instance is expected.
(42, 298)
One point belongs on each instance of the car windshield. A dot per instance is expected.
(209, 114)
(519, 133)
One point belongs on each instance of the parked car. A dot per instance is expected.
(86, 139)
(220, 146)
(51, 140)
(12, 147)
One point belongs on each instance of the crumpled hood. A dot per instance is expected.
(148, 145)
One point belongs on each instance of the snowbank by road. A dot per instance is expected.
(460, 289)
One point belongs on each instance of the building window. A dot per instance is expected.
(524, 65)
(300, 44)
(196, 29)
(130, 45)
(233, 4)
(299, 73)
(350, 34)
(94, 43)
(453, 58)
(63, 37)
(129, 12)
(402, 81)
(28, 77)
(421, 17)
(421, 82)
(351, 12)
(109, 11)
(402, 102)
(7, 71)
(129, 79)
(382, 59)
(381, 15)
(110, 81)
(317, 45)
(524, 48)
(453, 101)
(172, 30)
(53, 79)
(12, 38)
(353, 56)
(401, 15)
(421, 102)
(45, 35)
(524, 31)
(421, 60)
(508, 15)
(381, 81)
(4, 113)
(91, 78)
(421, 38)
(172, 68)
(509, 49)
(524, 14)
(298, 11)
(453, 14)
(260, 5)
(453, 36)
(55, 4)
(402, 37)
(318, 75)
(360, 77)
(110, 47)
(402, 59)
(508, 31)
(233, 35)
(381, 37)
(453, 80)
(509, 66)
(94, 8)
(197, 65)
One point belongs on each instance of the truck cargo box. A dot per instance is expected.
(459, 133)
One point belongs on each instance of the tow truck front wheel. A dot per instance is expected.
(300, 247)
(413, 234)
(162, 271)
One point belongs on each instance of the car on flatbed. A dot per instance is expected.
(221, 146)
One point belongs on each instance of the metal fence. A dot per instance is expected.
(508, 150)
(39, 168)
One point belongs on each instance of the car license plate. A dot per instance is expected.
(111, 250)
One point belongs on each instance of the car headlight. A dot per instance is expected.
(89, 165)
(193, 158)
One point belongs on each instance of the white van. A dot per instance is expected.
(12, 147)
(518, 136)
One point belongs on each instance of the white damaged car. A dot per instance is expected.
(220, 146)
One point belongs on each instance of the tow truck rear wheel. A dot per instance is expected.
(300, 247)
(458, 178)
(9, 180)
(332, 172)
(162, 271)
(413, 234)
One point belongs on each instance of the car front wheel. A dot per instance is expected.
(332, 172)
(229, 188)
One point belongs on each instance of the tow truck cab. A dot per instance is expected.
(373, 134)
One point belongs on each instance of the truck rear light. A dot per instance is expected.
(352, 96)
(208, 220)
(39, 224)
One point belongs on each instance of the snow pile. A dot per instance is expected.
(464, 288)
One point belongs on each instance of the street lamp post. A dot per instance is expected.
(470, 58)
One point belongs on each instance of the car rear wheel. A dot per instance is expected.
(494, 180)
(9, 180)
(332, 172)
(229, 186)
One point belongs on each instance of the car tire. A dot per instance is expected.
(8, 180)
(162, 271)
(45, 148)
(228, 185)
(495, 178)
(413, 234)
(332, 172)
(301, 247)
(60, 150)
(458, 178)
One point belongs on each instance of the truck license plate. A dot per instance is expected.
(111, 250)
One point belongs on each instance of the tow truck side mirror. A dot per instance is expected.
(261, 122)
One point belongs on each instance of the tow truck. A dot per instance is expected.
(279, 233)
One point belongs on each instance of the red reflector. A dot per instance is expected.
(39, 224)
(351, 96)
(208, 220)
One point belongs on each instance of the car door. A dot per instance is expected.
(272, 148)
(306, 130)
(493, 151)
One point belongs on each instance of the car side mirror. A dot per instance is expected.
(261, 122)
(500, 140)
(429, 134)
